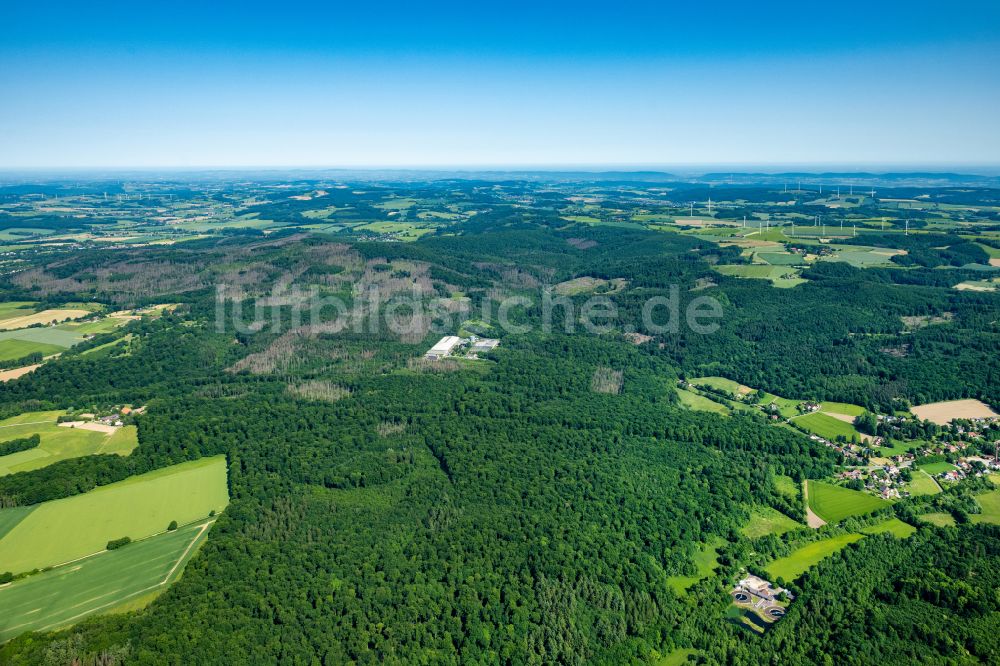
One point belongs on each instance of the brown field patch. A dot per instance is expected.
(944, 412)
(14, 373)
(43, 317)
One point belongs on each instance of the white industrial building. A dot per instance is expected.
(443, 347)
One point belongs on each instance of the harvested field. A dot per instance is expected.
(942, 413)
(14, 373)
(89, 425)
(43, 317)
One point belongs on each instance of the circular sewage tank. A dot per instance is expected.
(741, 597)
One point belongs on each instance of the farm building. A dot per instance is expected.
(443, 347)
(484, 345)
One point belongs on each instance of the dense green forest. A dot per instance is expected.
(505, 510)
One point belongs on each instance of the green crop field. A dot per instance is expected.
(893, 526)
(10, 309)
(794, 565)
(766, 520)
(841, 408)
(861, 258)
(937, 467)
(833, 503)
(57, 442)
(825, 426)
(14, 349)
(100, 583)
(781, 258)
(922, 484)
(66, 529)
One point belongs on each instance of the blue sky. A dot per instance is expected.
(490, 84)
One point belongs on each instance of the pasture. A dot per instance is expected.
(67, 529)
(780, 276)
(794, 565)
(939, 519)
(721, 384)
(101, 583)
(833, 503)
(700, 403)
(893, 526)
(765, 520)
(706, 560)
(936, 468)
(990, 503)
(923, 484)
(58, 443)
(826, 426)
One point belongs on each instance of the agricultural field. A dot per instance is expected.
(826, 426)
(67, 529)
(833, 503)
(794, 565)
(131, 577)
(11, 349)
(766, 520)
(58, 442)
(780, 276)
(942, 413)
(844, 408)
(45, 317)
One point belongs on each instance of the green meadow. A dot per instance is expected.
(833, 503)
(936, 467)
(701, 403)
(922, 484)
(826, 426)
(893, 526)
(939, 519)
(130, 576)
(58, 442)
(44, 340)
(706, 560)
(765, 520)
(990, 503)
(67, 529)
(794, 565)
